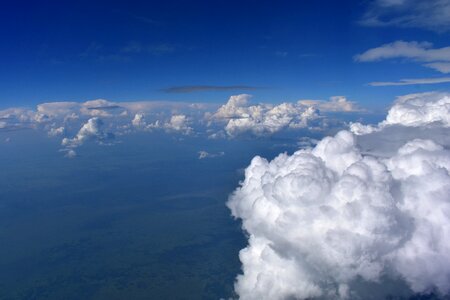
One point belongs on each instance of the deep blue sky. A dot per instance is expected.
(130, 50)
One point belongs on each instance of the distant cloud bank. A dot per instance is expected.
(103, 122)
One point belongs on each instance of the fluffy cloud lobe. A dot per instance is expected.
(323, 220)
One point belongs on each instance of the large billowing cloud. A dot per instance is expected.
(353, 210)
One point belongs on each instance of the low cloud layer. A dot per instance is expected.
(353, 210)
(76, 123)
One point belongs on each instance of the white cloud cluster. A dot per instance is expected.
(91, 130)
(336, 104)
(64, 112)
(420, 109)
(435, 58)
(351, 210)
(17, 117)
(56, 131)
(263, 119)
(179, 123)
(413, 110)
(236, 117)
(176, 123)
(431, 14)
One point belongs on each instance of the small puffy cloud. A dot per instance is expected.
(431, 14)
(261, 119)
(178, 123)
(139, 121)
(335, 104)
(204, 154)
(324, 221)
(71, 153)
(91, 130)
(435, 58)
(56, 131)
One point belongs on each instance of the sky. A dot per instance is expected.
(146, 50)
(225, 150)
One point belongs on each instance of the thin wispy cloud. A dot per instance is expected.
(135, 47)
(431, 14)
(147, 20)
(411, 81)
(423, 52)
(208, 88)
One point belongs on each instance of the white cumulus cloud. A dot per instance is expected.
(353, 209)
(261, 119)
(178, 123)
(91, 130)
(335, 104)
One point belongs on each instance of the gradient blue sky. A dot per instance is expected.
(133, 50)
